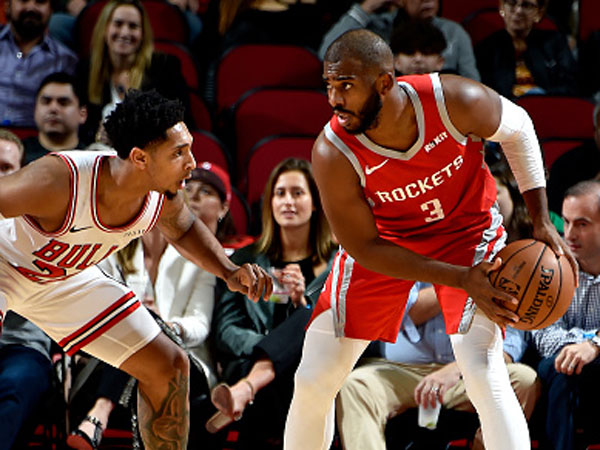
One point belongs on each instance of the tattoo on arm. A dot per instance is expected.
(168, 427)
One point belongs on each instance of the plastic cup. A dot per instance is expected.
(428, 417)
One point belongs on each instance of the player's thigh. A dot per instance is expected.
(94, 313)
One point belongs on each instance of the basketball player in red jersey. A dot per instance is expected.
(66, 212)
(408, 201)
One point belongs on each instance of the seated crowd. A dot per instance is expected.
(244, 354)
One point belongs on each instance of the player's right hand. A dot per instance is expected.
(487, 298)
(252, 281)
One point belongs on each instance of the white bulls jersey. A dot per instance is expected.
(82, 240)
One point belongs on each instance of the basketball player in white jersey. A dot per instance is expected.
(409, 200)
(64, 213)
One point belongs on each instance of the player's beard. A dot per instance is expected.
(368, 116)
(170, 195)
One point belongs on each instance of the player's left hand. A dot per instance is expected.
(546, 232)
(573, 357)
(251, 280)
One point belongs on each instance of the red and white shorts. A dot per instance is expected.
(368, 305)
(88, 311)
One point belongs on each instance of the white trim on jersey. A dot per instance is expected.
(438, 92)
(342, 147)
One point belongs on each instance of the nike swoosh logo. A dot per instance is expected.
(75, 230)
(370, 170)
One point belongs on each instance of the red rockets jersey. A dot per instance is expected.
(82, 240)
(431, 191)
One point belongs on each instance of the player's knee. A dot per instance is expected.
(171, 363)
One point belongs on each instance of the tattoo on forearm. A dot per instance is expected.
(168, 427)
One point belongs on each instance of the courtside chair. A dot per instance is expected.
(207, 147)
(273, 111)
(167, 20)
(557, 116)
(249, 66)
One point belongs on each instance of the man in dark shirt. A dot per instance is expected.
(58, 115)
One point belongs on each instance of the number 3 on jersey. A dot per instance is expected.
(434, 207)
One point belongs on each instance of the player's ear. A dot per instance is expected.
(385, 82)
(138, 157)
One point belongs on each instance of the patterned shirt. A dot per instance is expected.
(21, 75)
(581, 320)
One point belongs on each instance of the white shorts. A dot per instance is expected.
(89, 311)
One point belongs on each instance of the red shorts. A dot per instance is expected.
(368, 305)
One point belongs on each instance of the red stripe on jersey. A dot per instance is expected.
(107, 326)
(99, 318)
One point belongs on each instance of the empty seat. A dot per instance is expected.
(201, 114)
(267, 112)
(189, 68)
(207, 147)
(560, 116)
(249, 66)
(589, 18)
(555, 148)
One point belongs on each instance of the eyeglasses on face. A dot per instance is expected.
(528, 7)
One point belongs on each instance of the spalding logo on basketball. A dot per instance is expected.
(543, 283)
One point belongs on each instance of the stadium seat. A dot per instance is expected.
(560, 116)
(267, 112)
(266, 154)
(240, 212)
(201, 114)
(23, 132)
(486, 21)
(246, 67)
(589, 18)
(459, 10)
(555, 148)
(207, 147)
(189, 69)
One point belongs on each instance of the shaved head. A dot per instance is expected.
(363, 46)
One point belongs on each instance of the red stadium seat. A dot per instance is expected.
(266, 155)
(459, 10)
(267, 112)
(250, 66)
(484, 22)
(189, 69)
(555, 148)
(207, 147)
(560, 116)
(589, 18)
(240, 212)
(167, 21)
(23, 132)
(200, 112)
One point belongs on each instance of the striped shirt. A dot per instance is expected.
(581, 319)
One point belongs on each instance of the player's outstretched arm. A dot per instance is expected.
(353, 224)
(41, 190)
(193, 239)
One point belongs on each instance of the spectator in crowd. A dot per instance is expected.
(123, 58)
(458, 55)
(581, 163)
(418, 47)
(570, 347)
(25, 367)
(27, 55)
(521, 59)
(259, 344)
(59, 112)
(419, 368)
(178, 291)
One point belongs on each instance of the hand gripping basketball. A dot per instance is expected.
(542, 282)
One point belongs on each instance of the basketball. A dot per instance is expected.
(543, 284)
